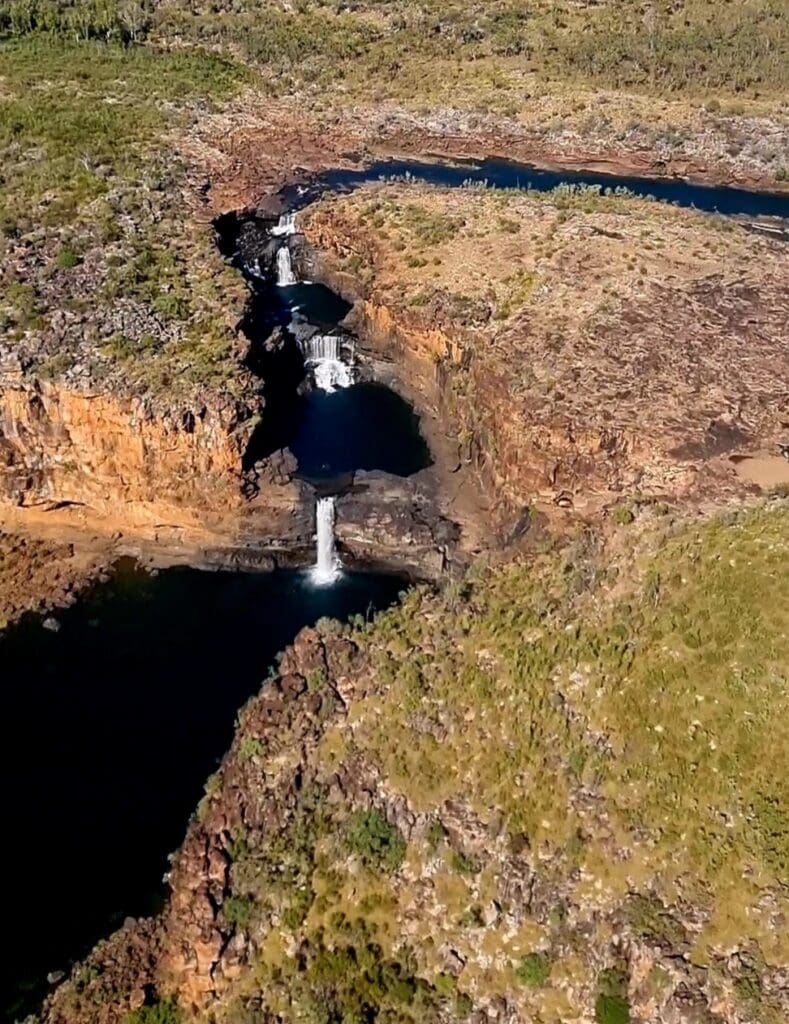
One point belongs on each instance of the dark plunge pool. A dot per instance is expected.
(364, 427)
(111, 726)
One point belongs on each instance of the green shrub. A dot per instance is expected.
(652, 921)
(164, 1012)
(623, 516)
(612, 1005)
(464, 865)
(445, 985)
(67, 259)
(250, 747)
(534, 970)
(300, 905)
(377, 842)
(436, 835)
(355, 982)
(238, 911)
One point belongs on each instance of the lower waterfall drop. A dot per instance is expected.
(323, 353)
(285, 275)
(327, 563)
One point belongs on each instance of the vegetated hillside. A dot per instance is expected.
(555, 792)
(708, 46)
(592, 343)
(105, 278)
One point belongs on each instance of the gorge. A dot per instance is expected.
(336, 437)
(394, 511)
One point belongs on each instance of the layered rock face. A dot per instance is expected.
(117, 454)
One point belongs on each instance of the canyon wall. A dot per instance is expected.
(117, 454)
(576, 377)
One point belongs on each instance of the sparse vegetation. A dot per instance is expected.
(623, 738)
(163, 1012)
(684, 765)
(703, 46)
(352, 979)
(238, 911)
(612, 1006)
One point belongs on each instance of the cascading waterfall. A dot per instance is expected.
(286, 225)
(285, 275)
(323, 353)
(327, 563)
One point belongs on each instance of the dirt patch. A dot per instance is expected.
(766, 471)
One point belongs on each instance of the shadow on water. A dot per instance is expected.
(363, 427)
(367, 426)
(110, 727)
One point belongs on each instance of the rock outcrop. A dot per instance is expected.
(117, 454)
(579, 364)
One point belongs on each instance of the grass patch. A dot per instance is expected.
(73, 116)
(682, 676)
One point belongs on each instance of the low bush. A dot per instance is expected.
(534, 970)
(377, 842)
(165, 1011)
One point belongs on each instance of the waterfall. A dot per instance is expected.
(286, 226)
(323, 353)
(285, 275)
(327, 564)
(323, 346)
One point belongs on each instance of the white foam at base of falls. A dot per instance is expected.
(286, 225)
(323, 353)
(285, 275)
(327, 564)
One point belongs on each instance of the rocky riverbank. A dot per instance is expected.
(38, 575)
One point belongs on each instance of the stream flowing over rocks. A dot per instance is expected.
(324, 420)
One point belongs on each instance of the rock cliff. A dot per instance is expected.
(587, 348)
(117, 454)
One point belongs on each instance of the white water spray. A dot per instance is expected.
(327, 564)
(286, 226)
(323, 353)
(285, 275)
